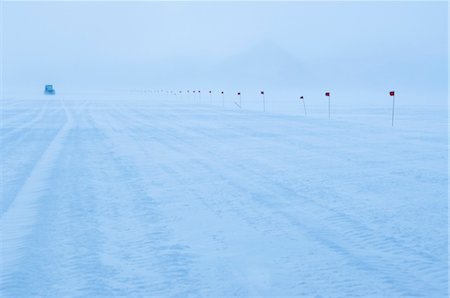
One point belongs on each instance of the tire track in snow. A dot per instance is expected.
(229, 280)
(18, 221)
(365, 235)
(352, 232)
(227, 271)
(115, 237)
(349, 226)
(177, 144)
(9, 124)
(161, 264)
(235, 284)
(25, 123)
(355, 235)
(47, 266)
(21, 153)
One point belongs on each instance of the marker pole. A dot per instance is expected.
(329, 107)
(264, 102)
(393, 108)
(240, 101)
(304, 106)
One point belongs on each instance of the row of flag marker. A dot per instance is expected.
(328, 94)
(239, 105)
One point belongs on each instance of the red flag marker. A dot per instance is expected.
(329, 104)
(304, 106)
(264, 101)
(392, 93)
(240, 100)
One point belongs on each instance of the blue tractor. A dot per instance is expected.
(49, 90)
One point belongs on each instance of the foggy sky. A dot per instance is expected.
(347, 47)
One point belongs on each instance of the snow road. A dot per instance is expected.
(136, 198)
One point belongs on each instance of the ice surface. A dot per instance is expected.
(140, 196)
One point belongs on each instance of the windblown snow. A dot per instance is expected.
(137, 197)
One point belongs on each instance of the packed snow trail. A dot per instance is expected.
(141, 198)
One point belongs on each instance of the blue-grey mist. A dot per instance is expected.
(357, 50)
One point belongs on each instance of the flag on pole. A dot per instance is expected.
(240, 101)
(329, 104)
(392, 94)
(304, 105)
(264, 101)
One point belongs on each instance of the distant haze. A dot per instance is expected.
(357, 50)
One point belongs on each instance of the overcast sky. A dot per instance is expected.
(340, 46)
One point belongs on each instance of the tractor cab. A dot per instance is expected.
(49, 90)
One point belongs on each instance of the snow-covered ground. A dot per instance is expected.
(144, 197)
